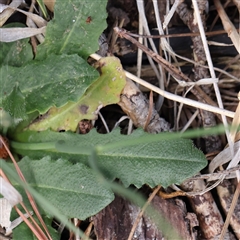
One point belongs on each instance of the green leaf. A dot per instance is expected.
(5, 121)
(73, 33)
(106, 90)
(72, 188)
(148, 162)
(15, 105)
(15, 53)
(48, 83)
(22, 231)
(42, 7)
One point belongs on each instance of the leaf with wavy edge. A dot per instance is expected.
(134, 159)
(72, 188)
(104, 91)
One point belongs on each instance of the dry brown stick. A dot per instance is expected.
(230, 212)
(204, 206)
(136, 106)
(197, 91)
(168, 66)
(175, 35)
(149, 111)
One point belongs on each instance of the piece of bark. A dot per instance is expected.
(116, 220)
(174, 210)
(113, 222)
(136, 106)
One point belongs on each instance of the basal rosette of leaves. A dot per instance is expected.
(59, 73)
(56, 91)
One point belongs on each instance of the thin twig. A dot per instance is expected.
(141, 11)
(215, 176)
(142, 212)
(176, 35)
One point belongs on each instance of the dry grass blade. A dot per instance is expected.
(233, 163)
(170, 14)
(7, 12)
(236, 158)
(9, 192)
(228, 26)
(236, 120)
(14, 34)
(5, 214)
(173, 96)
(40, 22)
(223, 157)
(11, 197)
(159, 71)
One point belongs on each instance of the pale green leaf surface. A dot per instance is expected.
(163, 162)
(72, 188)
(15, 53)
(15, 105)
(55, 81)
(73, 33)
(23, 232)
(106, 90)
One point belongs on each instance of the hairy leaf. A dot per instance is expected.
(24, 232)
(148, 162)
(72, 188)
(78, 31)
(15, 53)
(15, 105)
(106, 90)
(53, 82)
